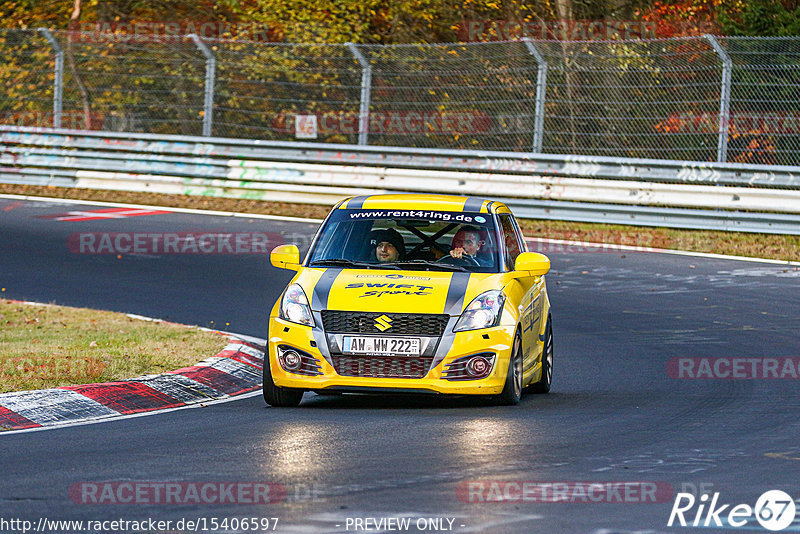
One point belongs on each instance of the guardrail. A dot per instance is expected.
(599, 189)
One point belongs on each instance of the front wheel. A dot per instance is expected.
(543, 385)
(512, 392)
(278, 396)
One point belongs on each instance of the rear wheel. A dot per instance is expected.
(278, 396)
(543, 385)
(512, 392)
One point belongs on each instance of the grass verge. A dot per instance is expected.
(773, 246)
(45, 346)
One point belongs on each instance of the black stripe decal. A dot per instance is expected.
(320, 338)
(455, 293)
(473, 204)
(319, 299)
(445, 343)
(356, 203)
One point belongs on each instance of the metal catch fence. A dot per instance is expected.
(721, 99)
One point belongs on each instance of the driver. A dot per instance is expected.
(388, 245)
(467, 241)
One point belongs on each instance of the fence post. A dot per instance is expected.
(366, 87)
(541, 90)
(724, 98)
(58, 82)
(208, 101)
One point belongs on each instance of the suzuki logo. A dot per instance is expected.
(383, 323)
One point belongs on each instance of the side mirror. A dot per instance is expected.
(285, 257)
(533, 262)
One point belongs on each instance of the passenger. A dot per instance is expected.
(388, 245)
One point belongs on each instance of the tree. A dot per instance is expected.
(761, 18)
(36, 13)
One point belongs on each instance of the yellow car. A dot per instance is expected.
(411, 294)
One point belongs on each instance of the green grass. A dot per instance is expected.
(44, 346)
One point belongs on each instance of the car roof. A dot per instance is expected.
(423, 202)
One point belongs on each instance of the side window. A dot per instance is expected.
(512, 239)
(520, 237)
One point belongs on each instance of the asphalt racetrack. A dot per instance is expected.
(620, 411)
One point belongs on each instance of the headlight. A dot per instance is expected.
(294, 306)
(482, 312)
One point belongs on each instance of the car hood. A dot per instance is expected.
(373, 290)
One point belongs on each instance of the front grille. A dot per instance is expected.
(418, 324)
(382, 366)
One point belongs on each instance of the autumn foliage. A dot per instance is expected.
(260, 94)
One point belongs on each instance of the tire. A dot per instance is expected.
(278, 396)
(512, 392)
(543, 385)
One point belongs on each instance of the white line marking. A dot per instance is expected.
(89, 215)
(635, 248)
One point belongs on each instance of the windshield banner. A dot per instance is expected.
(428, 215)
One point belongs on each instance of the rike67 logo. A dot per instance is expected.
(774, 510)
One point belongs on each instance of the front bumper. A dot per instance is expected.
(497, 340)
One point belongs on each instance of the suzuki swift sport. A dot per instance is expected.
(425, 294)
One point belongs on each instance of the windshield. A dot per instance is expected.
(408, 239)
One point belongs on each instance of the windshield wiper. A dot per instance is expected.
(441, 266)
(340, 262)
